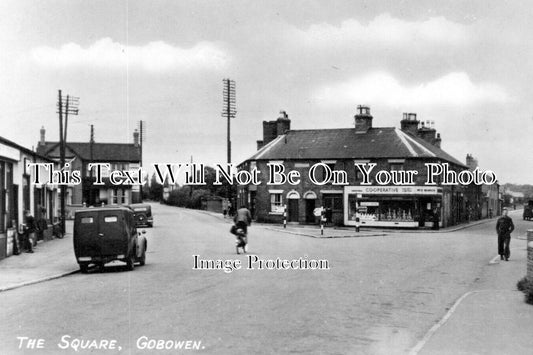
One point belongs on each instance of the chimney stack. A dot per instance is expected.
(42, 140)
(283, 123)
(428, 133)
(274, 129)
(363, 119)
(438, 141)
(471, 162)
(136, 138)
(409, 123)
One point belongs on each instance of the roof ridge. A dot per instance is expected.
(334, 129)
(94, 143)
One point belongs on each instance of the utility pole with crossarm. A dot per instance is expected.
(65, 106)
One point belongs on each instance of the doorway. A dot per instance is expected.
(293, 210)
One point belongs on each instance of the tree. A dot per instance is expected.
(156, 189)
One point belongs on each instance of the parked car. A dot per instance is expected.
(528, 210)
(104, 234)
(143, 214)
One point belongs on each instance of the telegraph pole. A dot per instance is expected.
(229, 111)
(142, 138)
(61, 160)
(70, 106)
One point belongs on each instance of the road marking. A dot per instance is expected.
(495, 260)
(436, 327)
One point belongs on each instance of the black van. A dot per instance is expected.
(143, 214)
(104, 234)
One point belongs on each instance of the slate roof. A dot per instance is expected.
(23, 149)
(101, 151)
(345, 143)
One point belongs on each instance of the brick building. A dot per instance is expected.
(390, 148)
(482, 201)
(120, 156)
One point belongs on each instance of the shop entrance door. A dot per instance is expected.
(293, 210)
(424, 211)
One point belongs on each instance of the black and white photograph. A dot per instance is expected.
(266, 177)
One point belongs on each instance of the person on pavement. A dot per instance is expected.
(504, 228)
(29, 231)
(436, 219)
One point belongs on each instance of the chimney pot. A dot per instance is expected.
(43, 132)
(363, 119)
(136, 138)
(273, 129)
(409, 123)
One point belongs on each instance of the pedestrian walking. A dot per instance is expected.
(42, 225)
(436, 219)
(504, 228)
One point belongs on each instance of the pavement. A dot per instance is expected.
(51, 259)
(490, 319)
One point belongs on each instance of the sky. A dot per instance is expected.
(466, 65)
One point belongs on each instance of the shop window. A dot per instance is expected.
(276, 202)
(382, 209)
(397, 211)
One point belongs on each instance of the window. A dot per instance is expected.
(119, 166)
(396, 166)
(114, 196)
(87, 220)
(378, 208)
(358, 175)
(119, 196)
(331, 167)
(276, 202)
(333, 201)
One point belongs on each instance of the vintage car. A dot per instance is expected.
(143, 214)
(104, 234)
(528, 210)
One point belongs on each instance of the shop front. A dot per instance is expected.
(392, 206)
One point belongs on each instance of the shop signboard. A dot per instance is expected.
(393, 190)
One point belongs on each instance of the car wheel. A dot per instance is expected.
(130, 262)
(84, 268)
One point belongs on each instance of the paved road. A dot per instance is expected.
(380, 295)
